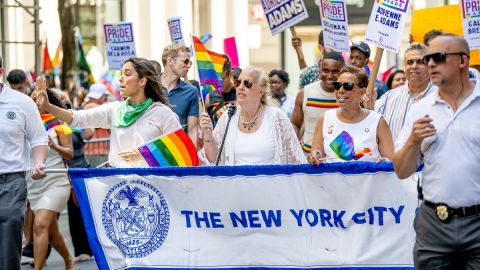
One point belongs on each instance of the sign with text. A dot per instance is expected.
(471, 22)
(386, 24)
(175, 28)
(335, 25)
(119, 44)
(281, 14)
(341, 216)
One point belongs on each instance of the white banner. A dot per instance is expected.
(342, 216)
(175, 28)
(470, 10)
(387, 21)
(281, 14)
(334, 19)
(119, 44)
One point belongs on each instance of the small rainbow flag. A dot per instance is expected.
(209, 64)
(49, 121)
(307, 148)
(322, 103)
(174, 149)
(343, 147)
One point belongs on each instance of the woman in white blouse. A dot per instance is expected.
(258, 134)
(351, 132)
(143, 116)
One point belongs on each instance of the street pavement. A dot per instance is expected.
(55, 261)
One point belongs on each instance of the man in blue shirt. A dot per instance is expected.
(182, 96)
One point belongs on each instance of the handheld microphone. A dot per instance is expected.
(231, 111)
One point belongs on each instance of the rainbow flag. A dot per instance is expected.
(343, 147)
(210, 66)
(322, 103)
(174, 149)
(49, 121)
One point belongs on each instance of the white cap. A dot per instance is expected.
(97, 90)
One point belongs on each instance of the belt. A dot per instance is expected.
(8, 175)
(444, 211)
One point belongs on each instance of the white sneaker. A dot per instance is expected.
(26, 260)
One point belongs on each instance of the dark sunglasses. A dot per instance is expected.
(186, 61)
(440, 57)
(248, 84)
(347, 86)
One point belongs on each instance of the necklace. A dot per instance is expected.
(251, 124)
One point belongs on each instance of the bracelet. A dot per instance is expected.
(209, 140)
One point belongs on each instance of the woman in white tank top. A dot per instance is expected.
(351, 132)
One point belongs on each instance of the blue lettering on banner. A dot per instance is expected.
(276, 16)
(474, 27)
(388, 18)
(375, 216)
(472, 8)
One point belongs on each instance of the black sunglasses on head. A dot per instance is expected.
(440, 57)
(186, 61)
(347, 86)
(248, 84)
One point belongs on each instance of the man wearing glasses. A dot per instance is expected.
(395, 104)
(182, 96)
(442, 131)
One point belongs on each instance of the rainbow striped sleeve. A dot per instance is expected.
(322, 103)
(174, 149)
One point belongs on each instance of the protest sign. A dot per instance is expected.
(386, 24)
(282, 14)
(119, 44)
(175, 28)
(230, 49)
(335, 25)
(471, 22)
(333, 216)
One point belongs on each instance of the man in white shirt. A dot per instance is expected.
(21, 130)
(442, 131)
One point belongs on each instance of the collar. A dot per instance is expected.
(437, 99)
(4, 93)
(422, 94)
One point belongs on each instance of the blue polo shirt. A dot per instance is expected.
(184, 101)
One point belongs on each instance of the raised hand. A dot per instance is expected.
(41, 97)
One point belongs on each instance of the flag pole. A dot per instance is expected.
(199, 82)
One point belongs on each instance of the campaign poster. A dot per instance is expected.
(335, 25)
(119, 44)
(282, 14)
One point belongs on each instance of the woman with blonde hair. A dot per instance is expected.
(257, 134)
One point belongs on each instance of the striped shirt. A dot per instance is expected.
(395, 104)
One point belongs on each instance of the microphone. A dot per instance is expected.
(231, 111)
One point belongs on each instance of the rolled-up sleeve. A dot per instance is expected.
(98, 117)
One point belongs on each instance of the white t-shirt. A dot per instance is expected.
(255, 148)
(21, 130)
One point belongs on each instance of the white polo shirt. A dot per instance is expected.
(21, 129)
(451, 158)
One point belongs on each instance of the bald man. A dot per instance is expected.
(442, 132)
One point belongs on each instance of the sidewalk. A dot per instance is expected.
(55, 261)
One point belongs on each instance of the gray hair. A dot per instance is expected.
(262, 80)
(417, 47)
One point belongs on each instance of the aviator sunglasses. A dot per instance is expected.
(347, 86)
(248, 84)
(440, 57)
(186, 61)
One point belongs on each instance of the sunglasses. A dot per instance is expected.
(186, 61)
(347, 86)
(248, 84)
(440, 57)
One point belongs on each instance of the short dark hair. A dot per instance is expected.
(431, 35)
(281, 74)
(359, 73)
(391, 76)
(228, 64)
(334, 56)
(320, 38)
(16, 76)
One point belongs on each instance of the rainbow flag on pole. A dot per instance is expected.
(49, 121)
(174, 149)
(210, 65)
(343, 147)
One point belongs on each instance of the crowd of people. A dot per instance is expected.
(253, 121)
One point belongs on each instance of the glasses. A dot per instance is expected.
(248, 84)
(440, 57)
(186, 61)
(347, 86)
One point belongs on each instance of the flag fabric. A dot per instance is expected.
(210, 66)
(205, 37)
(49, 121)
(174, 149)
(384, 75)
(344, 148)
(47, 62)
(57, 59)
(82, 65)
